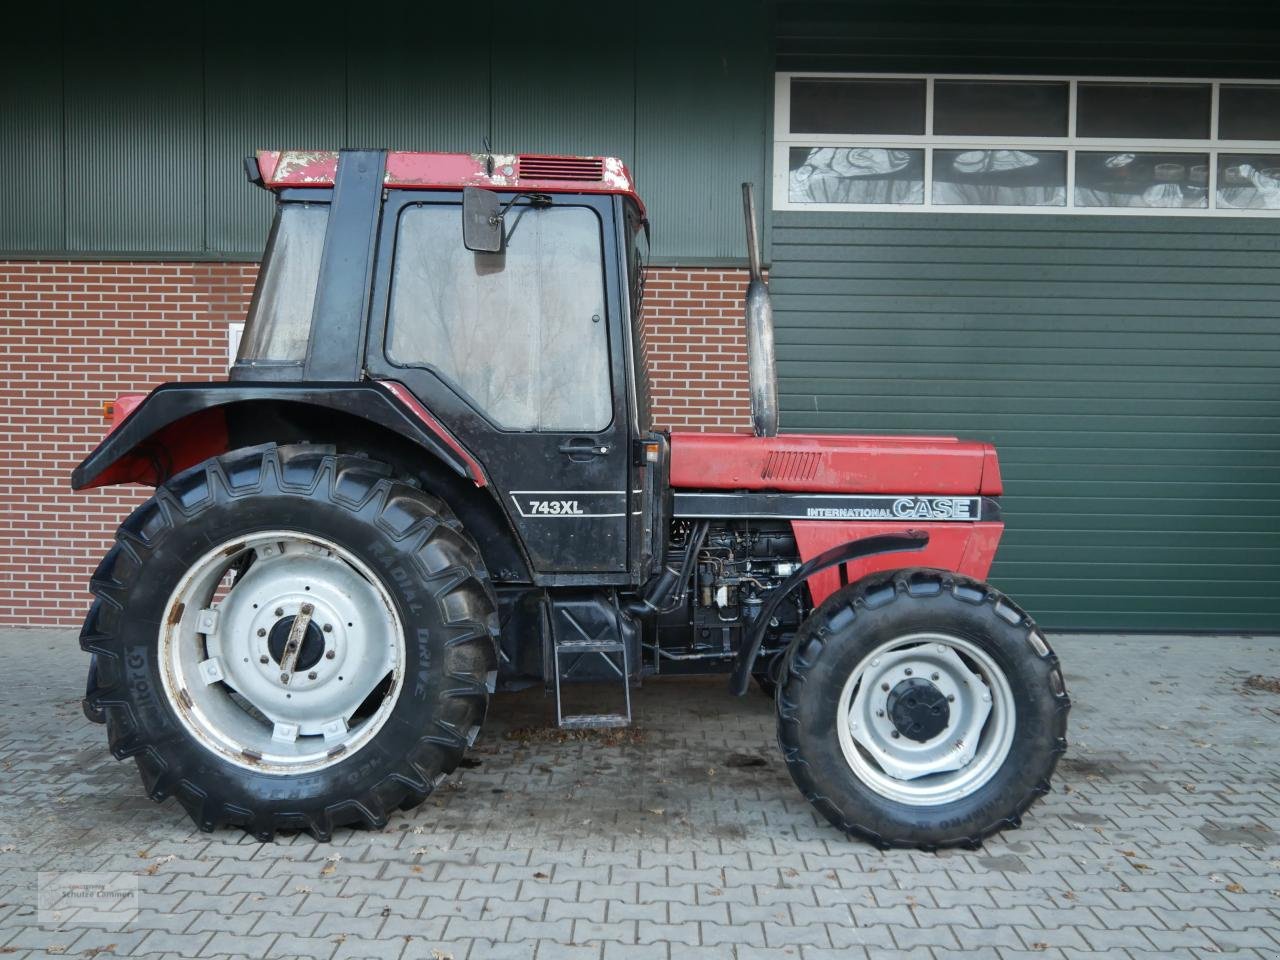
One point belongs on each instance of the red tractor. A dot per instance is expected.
(432, 472)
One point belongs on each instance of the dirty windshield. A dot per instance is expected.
(521, 334)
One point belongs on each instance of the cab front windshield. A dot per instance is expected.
(637, 266)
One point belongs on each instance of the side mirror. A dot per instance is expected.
(482, 229)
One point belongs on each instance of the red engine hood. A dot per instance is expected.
(831, 463)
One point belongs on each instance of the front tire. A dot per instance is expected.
(921, 709)
(287, 638)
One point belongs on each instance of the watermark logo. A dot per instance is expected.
(90, 898)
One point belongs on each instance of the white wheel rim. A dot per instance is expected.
(978, 719)
(293, 669)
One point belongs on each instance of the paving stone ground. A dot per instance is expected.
(684, 840)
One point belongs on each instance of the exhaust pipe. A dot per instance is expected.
(759, 314)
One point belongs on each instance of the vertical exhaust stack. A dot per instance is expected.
(759, 311)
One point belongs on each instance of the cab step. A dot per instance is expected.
(587, 638)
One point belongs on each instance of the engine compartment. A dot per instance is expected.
(737, 564)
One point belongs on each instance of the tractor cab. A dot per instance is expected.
(501, 292)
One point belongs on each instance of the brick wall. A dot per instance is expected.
(75, 334)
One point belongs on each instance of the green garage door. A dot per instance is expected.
(1127, 368)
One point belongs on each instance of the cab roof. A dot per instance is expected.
(541, 173)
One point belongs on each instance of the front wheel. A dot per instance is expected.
(286, 638)
(921, 709)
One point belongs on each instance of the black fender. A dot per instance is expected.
(181, 424)
(911, 540)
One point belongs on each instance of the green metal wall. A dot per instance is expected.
(1128, 370)
(125, 124)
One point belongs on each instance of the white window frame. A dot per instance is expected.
(784, 140)
(235, 331)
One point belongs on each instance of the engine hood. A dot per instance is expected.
(834, 463)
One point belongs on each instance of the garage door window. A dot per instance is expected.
(1027, 144)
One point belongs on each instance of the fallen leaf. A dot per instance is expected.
(416, 869)
(540, 876)
(657, 811)
(1039, 945)
(1128, 853)
(440, 955)
(1234, 888)
(94, 951)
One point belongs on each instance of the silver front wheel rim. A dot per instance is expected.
(282, 652)
(926, 719)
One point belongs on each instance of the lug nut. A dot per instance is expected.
(879, 713)
(935, 677)
(951, 698)
(329, 654)
(328, 628)
(284, 678)
(263, 659)
(279, 611)
(907, 671)
(311, 675)
(895, 734)
(262, 631)
(884, 686)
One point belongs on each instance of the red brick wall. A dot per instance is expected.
(76, 334)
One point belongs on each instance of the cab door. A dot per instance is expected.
(517, 354)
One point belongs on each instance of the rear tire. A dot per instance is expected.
(921, 709)
(428, 610)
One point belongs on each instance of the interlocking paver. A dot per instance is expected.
(1160, 841)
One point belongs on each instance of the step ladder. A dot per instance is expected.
(569, 654)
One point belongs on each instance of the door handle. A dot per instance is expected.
(583, 448)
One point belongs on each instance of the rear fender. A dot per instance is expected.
(181, 424)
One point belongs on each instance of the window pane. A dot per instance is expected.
(279, 322)
(991, 108)
(1142, 179)
(1142, 110)
(856, 175)
(1249, 181)
(520, 333)
(893, 107)
(1248, 112)
(1007, 178)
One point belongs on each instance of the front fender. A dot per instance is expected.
(181, 424)
(837, 556)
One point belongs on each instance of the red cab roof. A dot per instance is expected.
(445, 171)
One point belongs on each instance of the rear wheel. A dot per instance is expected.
(286, 638)
(921, 709)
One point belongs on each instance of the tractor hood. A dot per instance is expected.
(826, 463)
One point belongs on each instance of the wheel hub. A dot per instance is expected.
(310, 650)
(918, 709)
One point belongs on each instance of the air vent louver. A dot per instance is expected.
(561, 168)
(790, 465)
